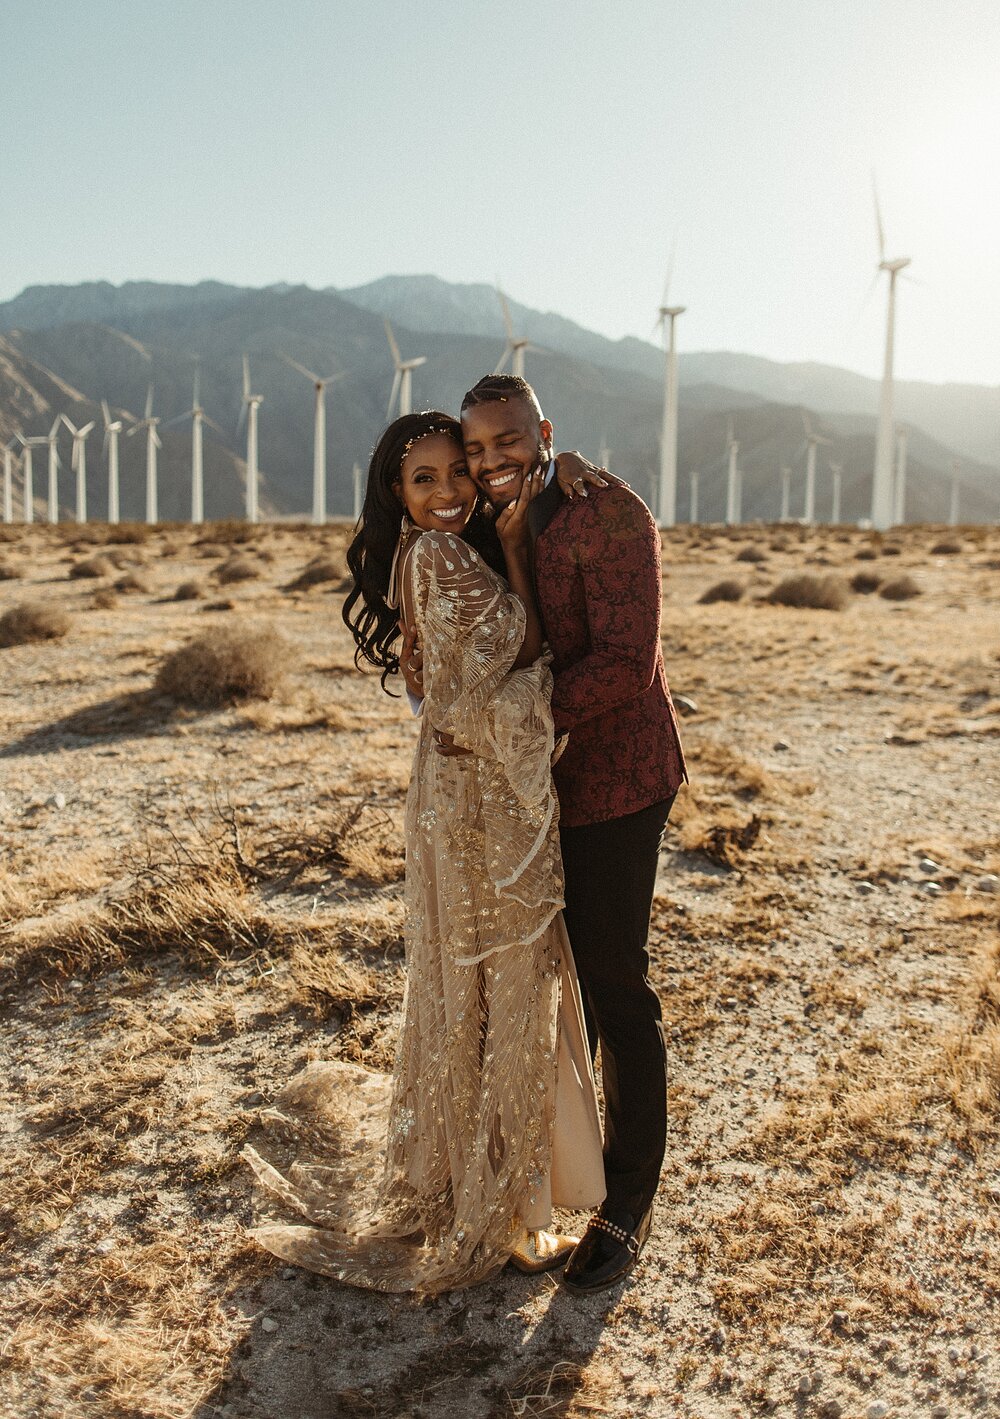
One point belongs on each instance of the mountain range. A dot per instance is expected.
(64, 348)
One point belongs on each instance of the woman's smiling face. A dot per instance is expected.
(435, 486)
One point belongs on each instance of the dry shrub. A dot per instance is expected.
(237, 569)
(105, 599)
(133, 582)
(91, 567)
(865, 554)
(225, 664)
(866, 582)
(320, 569)
(901, 588)
(779, 544)
(727, 590)
(190, 591)
(751, 554)
(820, 593)
(131, 533)
(361, 841)
(231, 532)
(327, 980)
(892, 549)
(946, 549)
(8, 571)
(226, 604)
(32, 621)
(121, 558)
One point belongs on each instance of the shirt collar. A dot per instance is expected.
(550, 472)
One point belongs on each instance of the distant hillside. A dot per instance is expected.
(151, 334)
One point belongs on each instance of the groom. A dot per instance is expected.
(597, 575)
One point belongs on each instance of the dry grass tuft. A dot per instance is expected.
(900, 588)
(105, 599)
(131, 533)
(133, 582)
(225, 664)
(947, 548)
(32, 621)
(92, 567)
(751, 554)
(320, 569)
(820, 593)
(866, 582)
(9, 571)
(727, 590)
(237, 569)
(190, 591)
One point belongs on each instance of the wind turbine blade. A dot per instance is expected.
(106, 412)
(149, 402)
(508, 323)
(157, 440)
(197, 386)
(309, 374)
(805, 422)
(397, 378)
(86, 429)
(670, 273)
(504, 358)
(392, 342)
(55, 425)
(212, 424)
(878, 221)
(246, 378)
(415, 364)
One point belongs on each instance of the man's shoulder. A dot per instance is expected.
(614, 511)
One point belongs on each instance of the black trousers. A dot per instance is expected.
(610, 876)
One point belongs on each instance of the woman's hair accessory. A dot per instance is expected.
(426, 434)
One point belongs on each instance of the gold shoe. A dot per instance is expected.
(542, 1251)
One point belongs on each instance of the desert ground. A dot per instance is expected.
(196, 900)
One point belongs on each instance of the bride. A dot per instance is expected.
(434, 1179)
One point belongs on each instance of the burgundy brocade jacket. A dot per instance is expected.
(598, 578)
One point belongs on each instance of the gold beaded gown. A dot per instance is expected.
(425, 1181)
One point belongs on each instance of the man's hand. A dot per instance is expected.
(445, 744)
(411, 660)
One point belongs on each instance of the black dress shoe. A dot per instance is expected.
(610, 1248)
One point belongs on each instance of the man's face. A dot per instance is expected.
(504, 441)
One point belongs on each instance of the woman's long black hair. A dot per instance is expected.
(373, 624)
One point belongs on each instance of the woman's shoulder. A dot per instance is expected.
(443, 552)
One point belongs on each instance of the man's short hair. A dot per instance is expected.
(498, 389)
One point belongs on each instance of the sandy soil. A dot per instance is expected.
(196, 902)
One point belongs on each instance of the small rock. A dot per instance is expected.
(989, 883)
(105, 1245)
(929, 867)
(865, 888)
(685, 704)
(931, 888)
(56, 800)
(960, 1376)
(939, 1411)
(718, 1337)
(831, 1409)
(269, 1325)
(780, 747)
(804, 1385)
(816, 1380)
(840, 1317)
(878, 1409)
(288, 1272)
(817, 1209)
(954, 1354)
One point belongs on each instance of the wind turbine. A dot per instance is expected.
(668, 436)
(359, 491)
(28, 477)
(693, 510)
(786, 493)
(402, 383)
(153, 442)
(515, 349)
(78, 462)
(112, 428)
(899, 488)
(251, 403)
(882, 499)
(836, 470)
(197, 416)
(812, 442)
(733, 480)
(953, 504)
(8, 479)
(52, 439)
(319, 435)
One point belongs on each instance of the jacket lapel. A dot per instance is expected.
(543, 509)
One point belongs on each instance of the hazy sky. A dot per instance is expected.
(561, 145)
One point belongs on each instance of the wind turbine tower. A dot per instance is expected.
(28, 477)
(78, 462)
(882, 491)
(319, 436)
(153, 442)
(251, 403)
(359, 491)
(54, 466)
(8, 479)
(693, 505)
(786, 493)
(733, 489)
(836, 469)
(667, 322)
(812, 442)
(899, 487)
(112, 428)
(953, 503)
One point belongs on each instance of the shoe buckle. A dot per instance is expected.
(633, 1245)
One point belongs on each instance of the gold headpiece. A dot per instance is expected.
(437, 429)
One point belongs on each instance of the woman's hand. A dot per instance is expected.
(512, 522)
(411, 662)
(576, 473)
